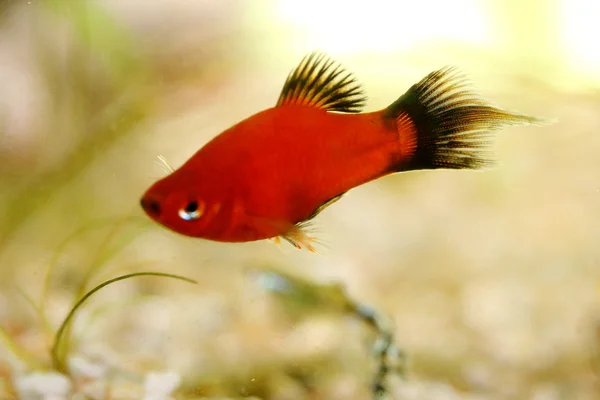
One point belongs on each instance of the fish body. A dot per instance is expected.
(281, 165)
(266, 176)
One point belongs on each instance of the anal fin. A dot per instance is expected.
(301, 238)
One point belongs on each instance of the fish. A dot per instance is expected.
(271, 174)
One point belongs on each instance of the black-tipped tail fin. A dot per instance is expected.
(443, 124)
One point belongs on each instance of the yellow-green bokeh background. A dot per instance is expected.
(491, 277)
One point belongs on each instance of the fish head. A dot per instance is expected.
(179, 208)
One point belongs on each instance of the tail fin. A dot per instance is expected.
(446, 125)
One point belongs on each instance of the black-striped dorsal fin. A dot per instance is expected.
(323, 83)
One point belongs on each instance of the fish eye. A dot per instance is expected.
(191, 211)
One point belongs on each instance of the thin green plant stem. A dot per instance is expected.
(95, 264)
(106, 309)
(104, 253)
(57, 361)
(81, 292)
(93, 225)
(97, 224)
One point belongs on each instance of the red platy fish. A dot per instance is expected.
(270, 174)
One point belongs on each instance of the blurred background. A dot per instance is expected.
(490, 278)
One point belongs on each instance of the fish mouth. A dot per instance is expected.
(151, 207)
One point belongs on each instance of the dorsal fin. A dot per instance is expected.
(323, 83)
